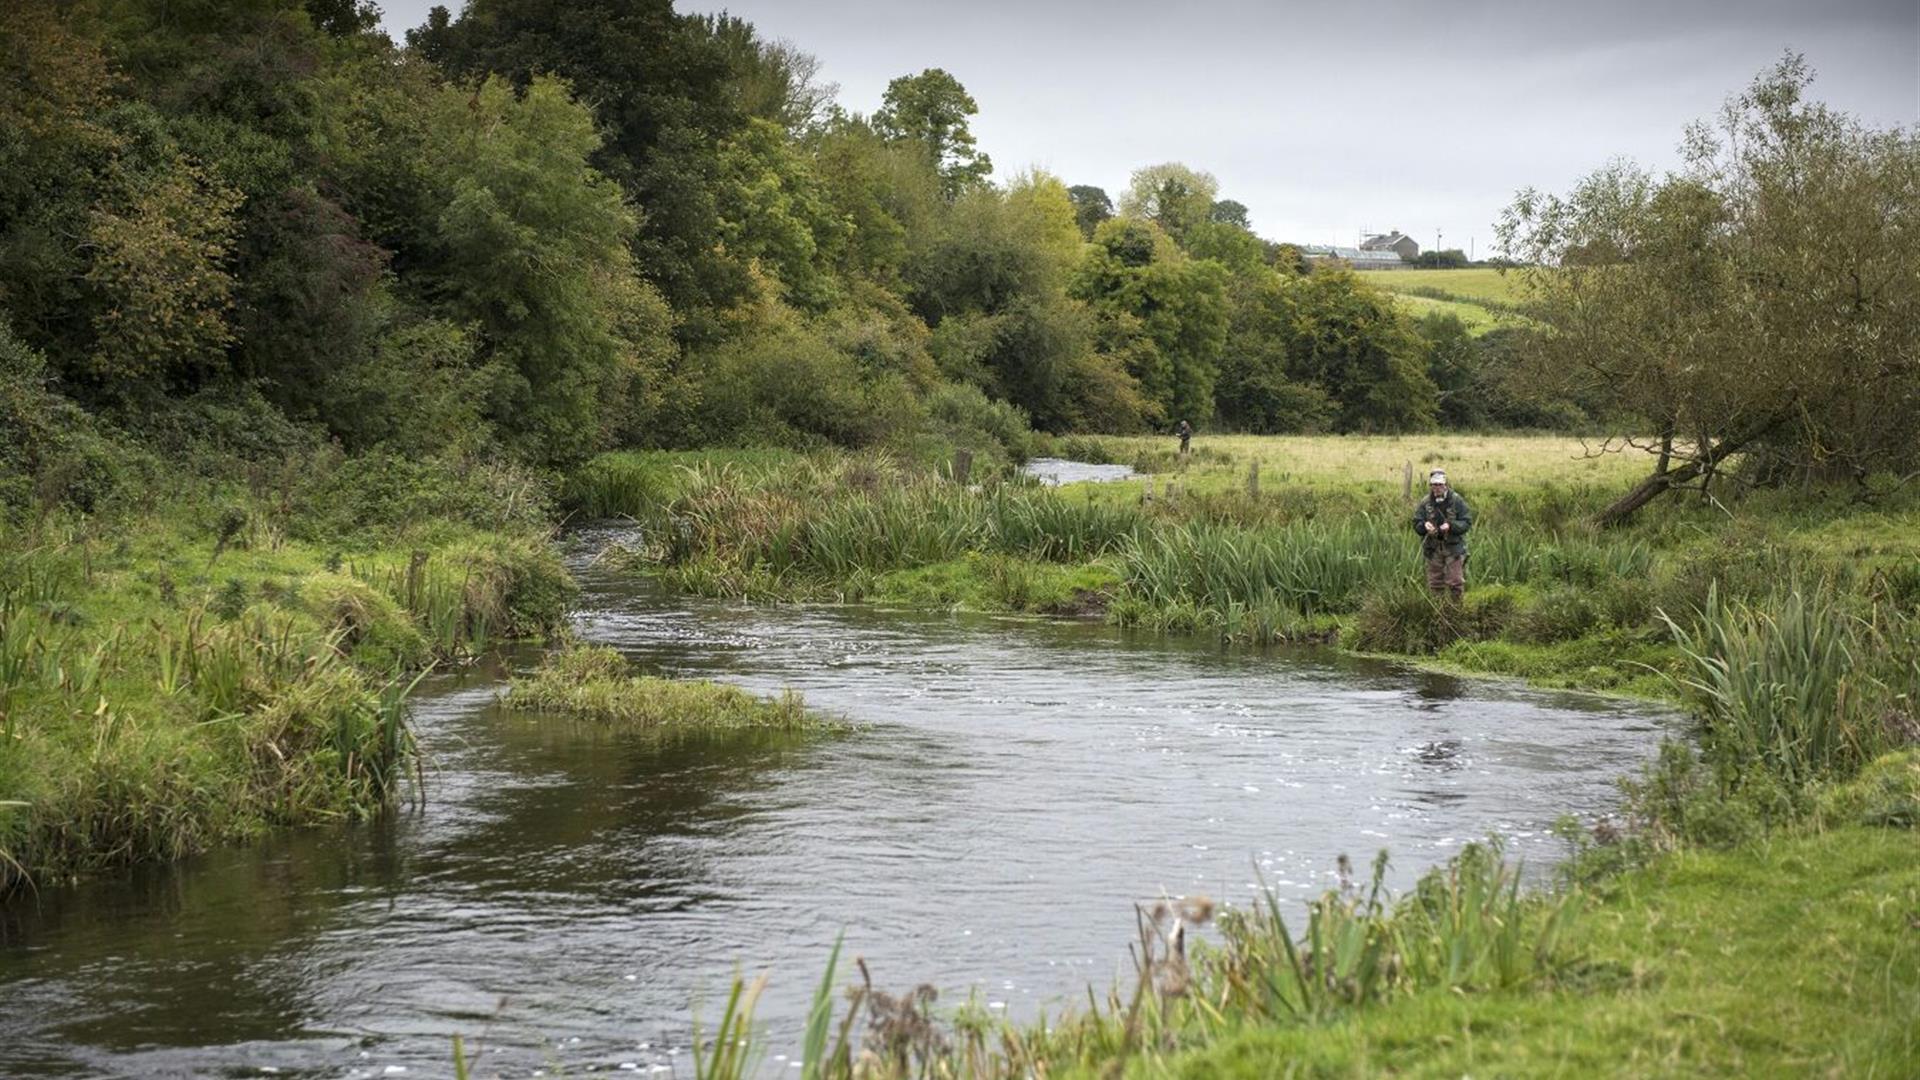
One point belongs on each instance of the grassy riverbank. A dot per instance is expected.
(208, 662)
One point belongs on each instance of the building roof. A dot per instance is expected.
(1384, 240)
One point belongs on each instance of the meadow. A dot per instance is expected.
(1501, 288)
(1373, 464)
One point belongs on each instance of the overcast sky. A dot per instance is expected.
(1327, 118)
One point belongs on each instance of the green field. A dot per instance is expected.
(1482, 299)
(1497, 286)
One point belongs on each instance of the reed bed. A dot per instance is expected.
(806, 523)
(1799, 687)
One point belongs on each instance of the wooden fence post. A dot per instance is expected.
(1406, 481)
(1253, 480)
(962, 466)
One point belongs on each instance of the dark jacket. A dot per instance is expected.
(1451, 509)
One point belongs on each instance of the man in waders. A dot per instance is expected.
(1185, 431)
(1441, 521)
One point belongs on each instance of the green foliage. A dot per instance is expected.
(1742, 302)
(1349, 340)
(53, 454)
(1791, 689)
(1176, 198)
(1091, 206)
(1162, 313)
(658, 79)
(538, 260)
(929, 111)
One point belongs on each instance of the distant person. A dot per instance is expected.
(1441, 521)
(1185, 431)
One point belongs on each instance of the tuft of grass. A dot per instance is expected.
(594, 683)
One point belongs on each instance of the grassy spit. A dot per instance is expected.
(595, 683)
(194, 675)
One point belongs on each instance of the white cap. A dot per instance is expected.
(1437, 476)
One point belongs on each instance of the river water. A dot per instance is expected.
(570, 900)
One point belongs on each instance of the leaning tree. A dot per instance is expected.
(1761, 305)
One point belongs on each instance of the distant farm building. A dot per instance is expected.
(1395, 241)
(1358, 258)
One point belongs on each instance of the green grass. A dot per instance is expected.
(637, 483)
(594, 683)
(1792, 957)
(1477, 319)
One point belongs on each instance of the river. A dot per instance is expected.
(570, 900)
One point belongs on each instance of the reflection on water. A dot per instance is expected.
(564, 894)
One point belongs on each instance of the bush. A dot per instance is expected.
(967, 419)
(335, 497)
(789, 385)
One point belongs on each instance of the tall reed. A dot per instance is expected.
(1793, 686)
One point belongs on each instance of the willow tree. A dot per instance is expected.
(1762, 302)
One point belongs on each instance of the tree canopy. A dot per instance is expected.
(1760, 301)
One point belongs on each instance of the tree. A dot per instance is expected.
(536, 258)
(344, 18)
(1255, 392)
(1764, 302)
(1163, 312)
(1091, 206)
(1349, 338)
(930, 110)
(771, 80)
(1453, 363)
(1229, 212)
(1172, 196)
(659, 85)
(994, 289)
